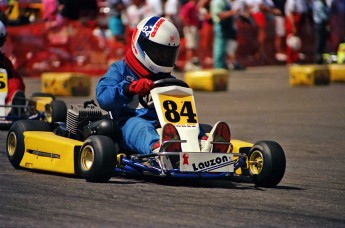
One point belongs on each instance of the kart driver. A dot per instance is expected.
(15, 83)
(151, 56)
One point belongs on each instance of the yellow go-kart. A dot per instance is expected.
(87, 145)
(39, 106)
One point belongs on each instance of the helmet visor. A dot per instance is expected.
(161, 55)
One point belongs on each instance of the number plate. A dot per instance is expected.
(3, 80)
(206, 162)
(178, 109)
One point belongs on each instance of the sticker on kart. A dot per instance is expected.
(3, 80)
(206, 162)
(178, 110)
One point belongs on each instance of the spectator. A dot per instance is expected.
(241, 8)
(206, 32)
(280, 31)
(337, 23)
(320, 18)
(79, 9)
(115, 23)
(69, 9)
(171, 9)
(260, 11)
(156, 7)
(52, 14)
(135, 12)
(225, 35)
(295, 10)
(189, 15)
(50, 10)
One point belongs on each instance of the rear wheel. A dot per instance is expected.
(15, 138)
(267, 163)
(56, 111)
(97, 158)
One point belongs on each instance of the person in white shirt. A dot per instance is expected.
(136, 11)
(294, 11)
(321, 22)
(156, 7)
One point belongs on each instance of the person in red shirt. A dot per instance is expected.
(189, 15)
(15, 82)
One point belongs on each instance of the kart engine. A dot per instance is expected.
(78, 116)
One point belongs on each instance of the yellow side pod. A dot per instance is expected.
(60, 157)
(236, 145)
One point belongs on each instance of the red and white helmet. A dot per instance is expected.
(3, 33)
(155, 43)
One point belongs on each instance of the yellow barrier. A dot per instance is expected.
(337, 72)
(309, 75)
(66, 84)
(208, 80)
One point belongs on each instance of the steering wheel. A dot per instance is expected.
(147, 102)
(170, 82)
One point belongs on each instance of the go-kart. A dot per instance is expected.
(39, 106)
(86, 145)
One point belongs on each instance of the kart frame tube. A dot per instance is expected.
(135, 166)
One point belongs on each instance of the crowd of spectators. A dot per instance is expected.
(202, 22)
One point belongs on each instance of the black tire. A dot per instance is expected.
(56, 111)
(15, 139)
(40, 94)
(266, 163)
(97, 158)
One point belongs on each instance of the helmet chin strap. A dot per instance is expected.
(136, 66)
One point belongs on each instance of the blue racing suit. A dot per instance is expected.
(137, 123)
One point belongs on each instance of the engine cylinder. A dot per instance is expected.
(78, 116)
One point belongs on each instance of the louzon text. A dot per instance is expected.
(212, 164)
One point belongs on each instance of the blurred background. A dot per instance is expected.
(73, 35)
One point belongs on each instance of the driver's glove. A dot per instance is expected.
(141, 87)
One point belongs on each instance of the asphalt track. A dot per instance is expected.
(259, 104)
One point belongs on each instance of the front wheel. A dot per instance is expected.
(15, 138)
(97, 158)
(266, 163)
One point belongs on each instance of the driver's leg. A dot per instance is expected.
(138, 135)
(219, 138)
(169, 132)
(17, 99)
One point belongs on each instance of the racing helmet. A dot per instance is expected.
(155, 44)
(3, 34)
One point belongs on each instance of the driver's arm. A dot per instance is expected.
(110, 89)
(141, 86)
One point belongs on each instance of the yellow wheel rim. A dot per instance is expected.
(48, 114)
(87, 158)
(256, 162)
(11, 143)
